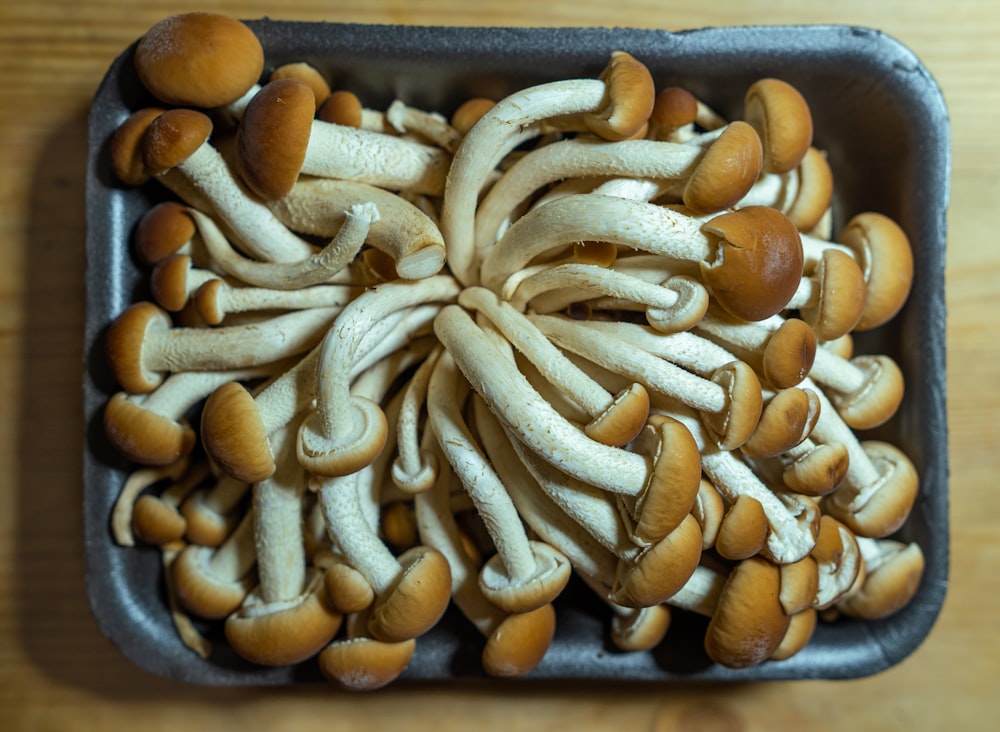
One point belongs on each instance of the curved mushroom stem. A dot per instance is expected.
(624, 87)
(615, 419)
(523, 575)
(320, 267)
(415, 469)
(403, 231)
(345, 432)
(406, 119)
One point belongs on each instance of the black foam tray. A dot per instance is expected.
(882, 120)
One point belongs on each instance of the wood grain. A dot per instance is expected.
(58, 672)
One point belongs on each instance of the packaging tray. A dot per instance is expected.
(882, 120)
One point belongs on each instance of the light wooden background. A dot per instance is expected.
(57, 672)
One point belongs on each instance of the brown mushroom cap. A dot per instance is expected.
(173, 137)
(801, 627)
(199, 59)
(628, 101)
(234, 435)
(469, 112)
(126, 146)
(842, 296)
(672, 489)
(814, 193)
(418, 599)
(347, 588)
(202, 593)
(341, 107)
(884, 254)
(749, 622)
(273, 136)
(819, 471)
(156, 521)
(518, 644)
(553, 572)
(799, 584)
(736, 424)
(744, 529)
(708, 509)
(206, 526)
(673, 107)
(890, 586)
(124, 343)
(168, 282)
(365, 664)
(306, 73)
(145, 436)
(623, 419)
(285, 633)
(162, 230)
(785, 421)
(789, 354)
(782, 118)
(758, 263)
(726, 172)
(878, 398)
(661, 570)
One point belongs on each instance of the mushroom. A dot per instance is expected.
(814, 469)
(143, 346)
(343, 107)
(832, 299)
(783, 121)
(614, 106)
(433, 127)
(890, 579)
(199, 59)
(288, 617)
(522, 575)
(359, 662)
(284, 110)
(345, 432)
(211, 512)
(751, 258)
(747, 622)
(138, 481)
(156, 518)
(216, 299)
(838, 561)
(866, 390)
(802, 194)
(174, 279)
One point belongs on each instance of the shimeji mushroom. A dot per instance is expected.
(359, 662)
(344, 107)
(751, 258)
(213, 510)
(614, 106)
(838, 561)
(403, 231)
(730, 401)
(288, 617)
(279, 138)
(138, 481)
(522, 575)
(143, 346)
(880, 484)
(493, 375)
(832, 298)
(882, 250)
(866, 390)
(164, 230)
(345, 432)
(330, 265)
(199, 59)
(783, 120)
(213, 582)
(515, 642)
(803, 194)
(891, 574)
(814, 469)
(433, 127)
(156, 517)
(173, 281)
(614, 419)
(710, 171)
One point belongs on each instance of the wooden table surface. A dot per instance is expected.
(57, 672)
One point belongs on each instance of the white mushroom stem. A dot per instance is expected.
(316, 267)
(575, 158)
(700, 594)
(409, 120)
(789, 515)
(342, 425)
(506, 125)
(519, 407)
(217, 299)
(414, 469)
(403, 231)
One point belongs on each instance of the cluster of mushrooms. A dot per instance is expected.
(391, 361)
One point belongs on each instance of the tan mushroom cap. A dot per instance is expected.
(623, 419)
(205, 525)
(162, 230)
(365, 664)
(341, 107)
(234, 436)
(126, 146)
(306, 73)
(173, 137)
(199, 591)
(815, 191)
(347, 588)
(842, 296)
(672, 489)
(735, 425)
(281, 634)
(553, 572)
(800, 631)
(124, 343)
(418, 599)
(273, 137)
(168, 282)
(890, 505)
(642, 629)
(628, 101)
(785, 421)
(661, 569)
(468, 113)
(819, 471)
(519, 642)
(890, 586)
(789, 354)
(199, 59)
(145, 436)
(157, 521)
(799, 584)
(883, 251)
(758, 264)
(673, 107)
(782, 118)
(837, 557)
(708, 509)
(744, 529)
(726, 172)
(207, 300)
(878, 398)
(749, 622)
